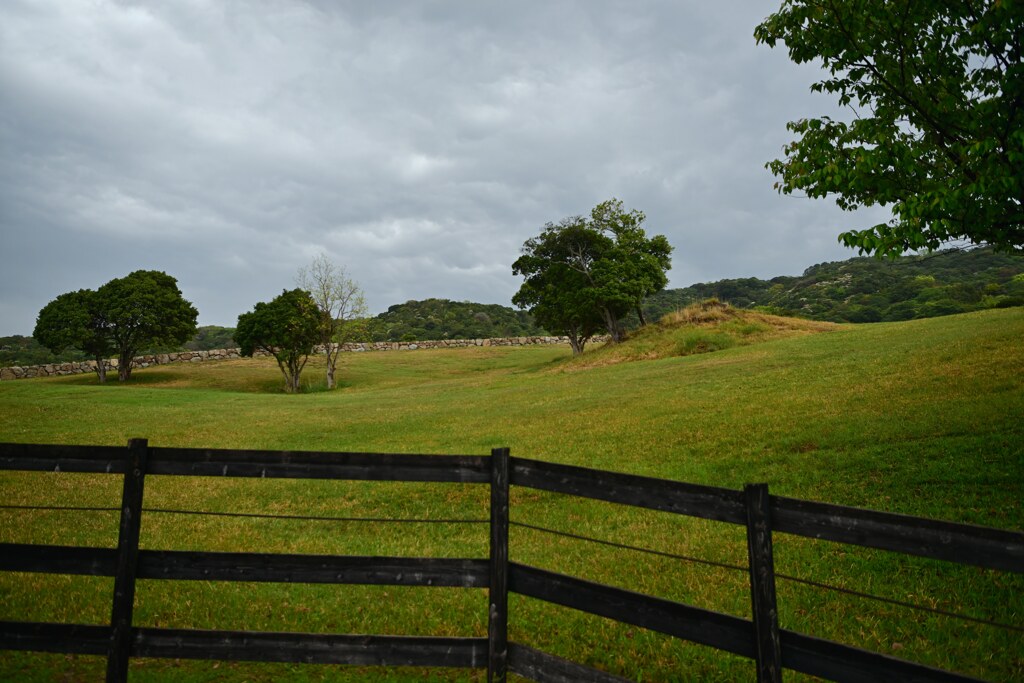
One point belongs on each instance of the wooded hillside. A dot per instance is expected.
(870, 290)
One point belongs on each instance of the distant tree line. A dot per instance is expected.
(411, 321)
(444, 319)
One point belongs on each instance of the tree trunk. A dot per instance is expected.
(332, 361)
(101, 369)
(576, 343)
(612, 323)
(284, 371)
(640, 314)
(293, 379)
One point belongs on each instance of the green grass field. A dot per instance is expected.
(921, 418)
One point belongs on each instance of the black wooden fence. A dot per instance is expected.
(760, 638)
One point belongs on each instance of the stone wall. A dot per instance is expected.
(77, 368)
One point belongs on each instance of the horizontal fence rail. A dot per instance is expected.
(717, 630)
(936, 539)
(272, 567)
(263, 464)
(961, 543)
(759, 639)
(252, 646)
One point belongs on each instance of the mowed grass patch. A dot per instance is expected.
(920, 418)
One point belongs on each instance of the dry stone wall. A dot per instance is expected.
(78, 368)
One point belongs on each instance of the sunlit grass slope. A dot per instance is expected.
(923, 418)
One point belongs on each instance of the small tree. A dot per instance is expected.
(74, 320)
(340, 301)
(287, 328)
(144, 308)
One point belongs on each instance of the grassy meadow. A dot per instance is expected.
(922, 417)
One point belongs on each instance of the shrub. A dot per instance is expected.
(701, 341)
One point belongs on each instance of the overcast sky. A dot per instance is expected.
(419, 144)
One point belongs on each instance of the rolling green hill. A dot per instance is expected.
(919, 417)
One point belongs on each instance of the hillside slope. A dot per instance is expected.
(710, 325)
(918, 417)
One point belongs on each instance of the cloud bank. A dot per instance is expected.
(417, 143)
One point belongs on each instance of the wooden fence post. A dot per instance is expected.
(762, 584)
(497, 621)
(127, 561)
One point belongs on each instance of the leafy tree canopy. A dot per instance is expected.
(287, 327)
(76, 320)
(145, 308)
(938, 131)
(142, 309)
(584, 272)
(557, 290)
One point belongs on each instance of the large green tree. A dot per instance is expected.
(557, 291)
(584, 272)
(288, 328)
(937, 128)
(145, 309)
(76, 320)
(341, 303)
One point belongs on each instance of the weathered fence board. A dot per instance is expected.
(707, 502)
(253, 646)
(45, 458)
(837, 662)
(497, 612)
(57, 559)
(127, 561)
(241, 463)
(762, 584)
(79, 639)
(268, 567)
(315, 465)
(283, 568)
(940, 540)
(722, 631)
(318, 648)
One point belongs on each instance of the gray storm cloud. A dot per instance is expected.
(419, 144)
